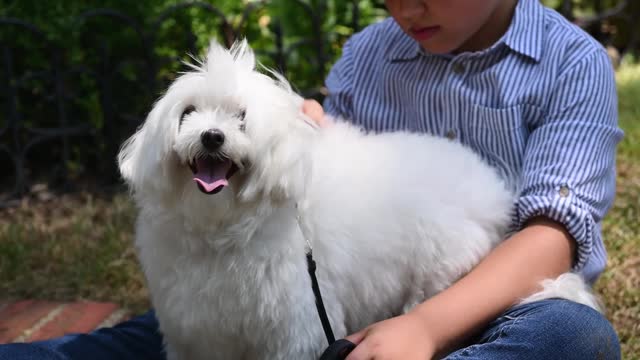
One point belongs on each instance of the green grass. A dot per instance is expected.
(80, 246)
(628, 78)
(620, 284)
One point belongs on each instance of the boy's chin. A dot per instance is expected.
(441, 46)
(437, 48)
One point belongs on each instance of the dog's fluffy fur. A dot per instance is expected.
(393, 218)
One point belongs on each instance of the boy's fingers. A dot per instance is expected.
(361, 352)
(313, 110)
(356, 338)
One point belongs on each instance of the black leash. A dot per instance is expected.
(337, 350)
(322, 312)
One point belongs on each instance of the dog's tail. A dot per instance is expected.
(570, 286)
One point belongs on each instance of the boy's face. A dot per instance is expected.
(448, 26)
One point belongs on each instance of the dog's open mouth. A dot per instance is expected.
(212, 174)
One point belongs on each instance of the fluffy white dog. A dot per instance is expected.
(228, 175)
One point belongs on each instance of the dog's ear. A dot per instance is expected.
(142, 159)
(281, 168)
(129, 155)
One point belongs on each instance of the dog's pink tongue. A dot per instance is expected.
(212, 174)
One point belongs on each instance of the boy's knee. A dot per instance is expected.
(28, 351)
(579, 330)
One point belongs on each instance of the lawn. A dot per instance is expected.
(620, 284)
(80, 246)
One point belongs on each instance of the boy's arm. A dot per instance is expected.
(543, 249)
(513, 270)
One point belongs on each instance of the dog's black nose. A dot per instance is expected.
(212, 139)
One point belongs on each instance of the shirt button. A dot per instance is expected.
(458, 68)
(451, 135)
(564, 191)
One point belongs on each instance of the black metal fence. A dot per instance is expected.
(67, 106)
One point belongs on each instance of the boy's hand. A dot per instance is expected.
(404, 337)
(314, 111)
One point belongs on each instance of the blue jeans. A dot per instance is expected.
(549, 329)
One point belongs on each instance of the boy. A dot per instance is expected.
(535, 96)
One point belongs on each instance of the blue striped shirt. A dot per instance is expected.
(540, 105)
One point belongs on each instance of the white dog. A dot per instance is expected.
(233, 182)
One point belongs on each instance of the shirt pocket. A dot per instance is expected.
(500, 136)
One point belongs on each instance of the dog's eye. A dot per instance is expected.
(241, 114)
(188, 110)
(242, 127)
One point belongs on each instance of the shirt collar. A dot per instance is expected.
(526, 32)
(524, 36)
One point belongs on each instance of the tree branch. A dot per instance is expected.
(614, 11)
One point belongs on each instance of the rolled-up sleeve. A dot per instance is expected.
(569, 162)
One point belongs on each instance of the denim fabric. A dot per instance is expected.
(135, 339)
(549, 329)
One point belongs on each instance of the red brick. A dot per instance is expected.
(80, 317)
(19, 317)
(14, 308)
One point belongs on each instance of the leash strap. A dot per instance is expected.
(326, 325)
(339, 350)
